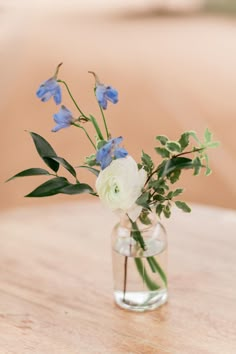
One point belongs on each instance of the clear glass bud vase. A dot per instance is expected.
(139, 257)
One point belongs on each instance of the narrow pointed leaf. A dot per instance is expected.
(63, 163)
(95, 124)
(49, 188)
(30, 172)
(175, 163)
(197, 166)
(45, 150)
(91, 169)
(79, 188)
(183, 206)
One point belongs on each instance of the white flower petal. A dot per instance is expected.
(134, 212)
(120, 184)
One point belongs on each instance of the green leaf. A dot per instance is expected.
(78, 188)
(207, 136)
(161, 190)
(45, 149)
(30, 172)
(174, 176)
(143, 200)
(173, 146)
(183, 206)
(176, 163)
(91, 169)
(213, 144)
(163, 152)
(91, 160)
(63, 163)
(177, 192)
(166, 211)
(101, 143)
(184, 140)
(197, 164)
(208, 169)
(143, 217)
(159, 198)
(169, 195)
(162, 138)
(159, 209)
(147, 162)
(51, 187)
(96, 126)
(194, 135)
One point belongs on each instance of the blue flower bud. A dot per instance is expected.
(109, 151)
(63, 119)
(104, 94)
(48, 89)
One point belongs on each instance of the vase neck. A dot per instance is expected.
(143, 223)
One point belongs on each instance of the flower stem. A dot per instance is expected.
(151, 285)
(101, 110)
(71, 96)
(79, 126)
(125, 277)
(188, 152)
(96, 126)
(104, 121)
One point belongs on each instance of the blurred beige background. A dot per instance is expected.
(174, 71)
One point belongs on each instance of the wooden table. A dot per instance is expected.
(56, 285)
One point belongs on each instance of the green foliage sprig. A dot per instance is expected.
(157, 193)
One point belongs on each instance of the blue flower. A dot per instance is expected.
(49, 88)
(63, 119)
(109, 151)
(104, 94)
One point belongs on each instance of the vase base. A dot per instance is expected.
(141, 301)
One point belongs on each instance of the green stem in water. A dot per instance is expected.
(125, 277)
(79, 126)
(156, 268)
(143, 273)
(71, 96)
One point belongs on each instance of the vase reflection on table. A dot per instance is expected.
(139, 257)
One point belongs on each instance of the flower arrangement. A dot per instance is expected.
(126, 187)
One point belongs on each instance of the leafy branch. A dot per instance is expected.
(156, 193)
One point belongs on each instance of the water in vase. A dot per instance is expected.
(139, 280)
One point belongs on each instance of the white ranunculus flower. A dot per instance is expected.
(120, 184)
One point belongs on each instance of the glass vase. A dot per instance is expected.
(139, 258)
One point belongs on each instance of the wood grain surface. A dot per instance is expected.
(56, 285)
